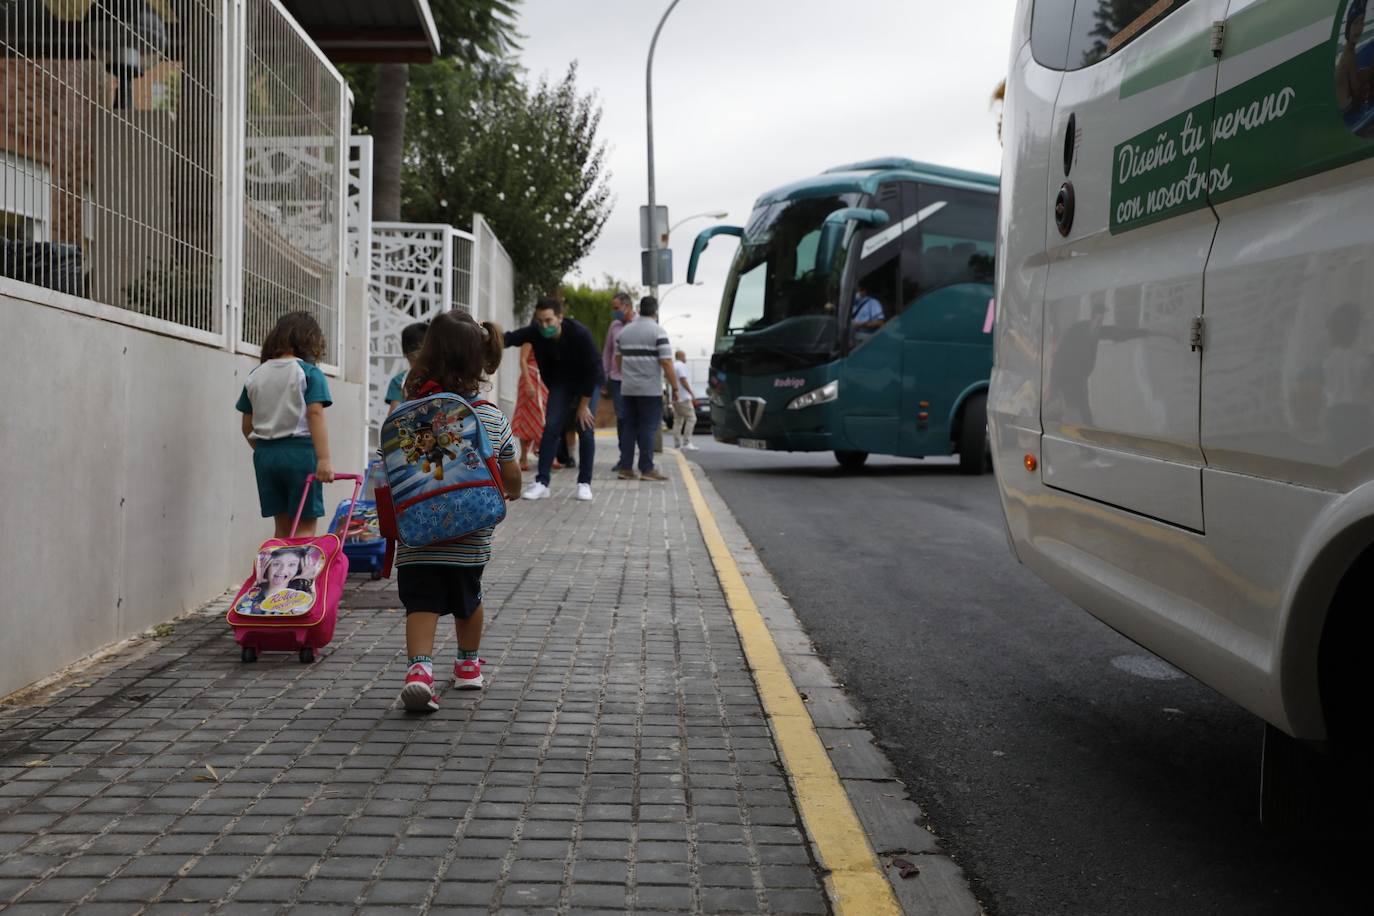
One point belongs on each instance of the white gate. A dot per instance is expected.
(417, 272)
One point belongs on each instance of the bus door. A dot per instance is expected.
(947, 273)
(871, 377)
(1129, 234)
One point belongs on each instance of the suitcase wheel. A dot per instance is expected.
(307, 655)
(249, 654)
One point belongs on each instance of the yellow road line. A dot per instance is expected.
(856, 881)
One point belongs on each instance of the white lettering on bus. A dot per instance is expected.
(1134, 161)
(1258, 113)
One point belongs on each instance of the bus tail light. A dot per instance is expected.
(1031, 463)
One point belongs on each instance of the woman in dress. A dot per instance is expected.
(531, 400)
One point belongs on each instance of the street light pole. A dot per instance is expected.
(649, 112)
(679, 286)
(714, 214)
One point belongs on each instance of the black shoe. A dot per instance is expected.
(570, 463)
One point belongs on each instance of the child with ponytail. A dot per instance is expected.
(458, 356)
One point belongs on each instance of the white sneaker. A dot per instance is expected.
(691, 447)
(536, 490)
(584, 492)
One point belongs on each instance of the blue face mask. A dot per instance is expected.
(549, 330)
(617, 316)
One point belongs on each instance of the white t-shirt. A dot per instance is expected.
(684, 377)
(277, 394)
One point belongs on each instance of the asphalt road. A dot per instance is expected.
(1066, 769)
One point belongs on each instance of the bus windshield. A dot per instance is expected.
(774, 281)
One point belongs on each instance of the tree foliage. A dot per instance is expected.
(473, 33)
(591, 305)
(526, 157)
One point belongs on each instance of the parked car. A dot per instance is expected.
(703, 411)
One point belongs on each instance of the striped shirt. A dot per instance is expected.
(473, 549)
(642, 345)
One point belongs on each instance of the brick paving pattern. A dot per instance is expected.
(619, 759)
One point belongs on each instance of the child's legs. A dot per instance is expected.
(465, 601)
(422, 590)
(282, 467)
(469, 631)
(420, 627)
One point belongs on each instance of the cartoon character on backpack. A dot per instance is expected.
(430, 450)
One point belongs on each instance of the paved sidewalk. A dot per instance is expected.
(619, 759)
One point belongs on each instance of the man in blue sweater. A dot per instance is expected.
(571, 368)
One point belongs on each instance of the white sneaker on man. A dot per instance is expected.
(691, 447)
(536, 490)
(584, 492)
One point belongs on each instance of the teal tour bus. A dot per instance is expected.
(857, 315)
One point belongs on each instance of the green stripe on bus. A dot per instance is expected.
(1245, 31)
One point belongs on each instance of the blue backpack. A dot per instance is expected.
(443, 480)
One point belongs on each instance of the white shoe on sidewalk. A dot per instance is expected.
(584, 492)
(691, 447)
(536, 490)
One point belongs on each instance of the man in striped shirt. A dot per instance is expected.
(644, 358)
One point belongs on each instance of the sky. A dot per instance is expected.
(753, 94)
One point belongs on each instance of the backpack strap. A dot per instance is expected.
(428, 388)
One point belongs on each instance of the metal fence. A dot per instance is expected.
(111, 171)
(295, 149)
(496, 302)
(419, 271)
(414, 278)
(178, 165)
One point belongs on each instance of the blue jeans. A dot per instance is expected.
(643, 414)
(563, 401)
(613, 385)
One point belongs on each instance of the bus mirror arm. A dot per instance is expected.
(832, 232)
(703, 240)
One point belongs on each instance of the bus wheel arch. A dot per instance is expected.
(1325, 656)
(1324, 614)
(1347, 634)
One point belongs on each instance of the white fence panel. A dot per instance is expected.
(294, 179)
(359, 204)
(112, 160)
(419, 271)
(413, 279)
(496, 282)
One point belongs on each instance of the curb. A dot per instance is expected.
(890, 824)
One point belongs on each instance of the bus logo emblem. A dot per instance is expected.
(750, 410)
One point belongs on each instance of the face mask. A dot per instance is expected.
(617, 316)
(549, 330)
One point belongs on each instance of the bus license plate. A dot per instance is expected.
(753, 443)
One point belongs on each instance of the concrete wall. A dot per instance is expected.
(126, 486)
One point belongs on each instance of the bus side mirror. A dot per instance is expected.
(833, 229)
(704, 239)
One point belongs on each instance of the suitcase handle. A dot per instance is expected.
(310, 479)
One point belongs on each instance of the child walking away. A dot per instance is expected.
(446, 579)
(283, 404)
(412, 339)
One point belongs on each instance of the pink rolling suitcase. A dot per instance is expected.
(290, 602)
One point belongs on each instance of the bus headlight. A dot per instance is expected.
(822, 395)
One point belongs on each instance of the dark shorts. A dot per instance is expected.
(281, 466)
(438, 589)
